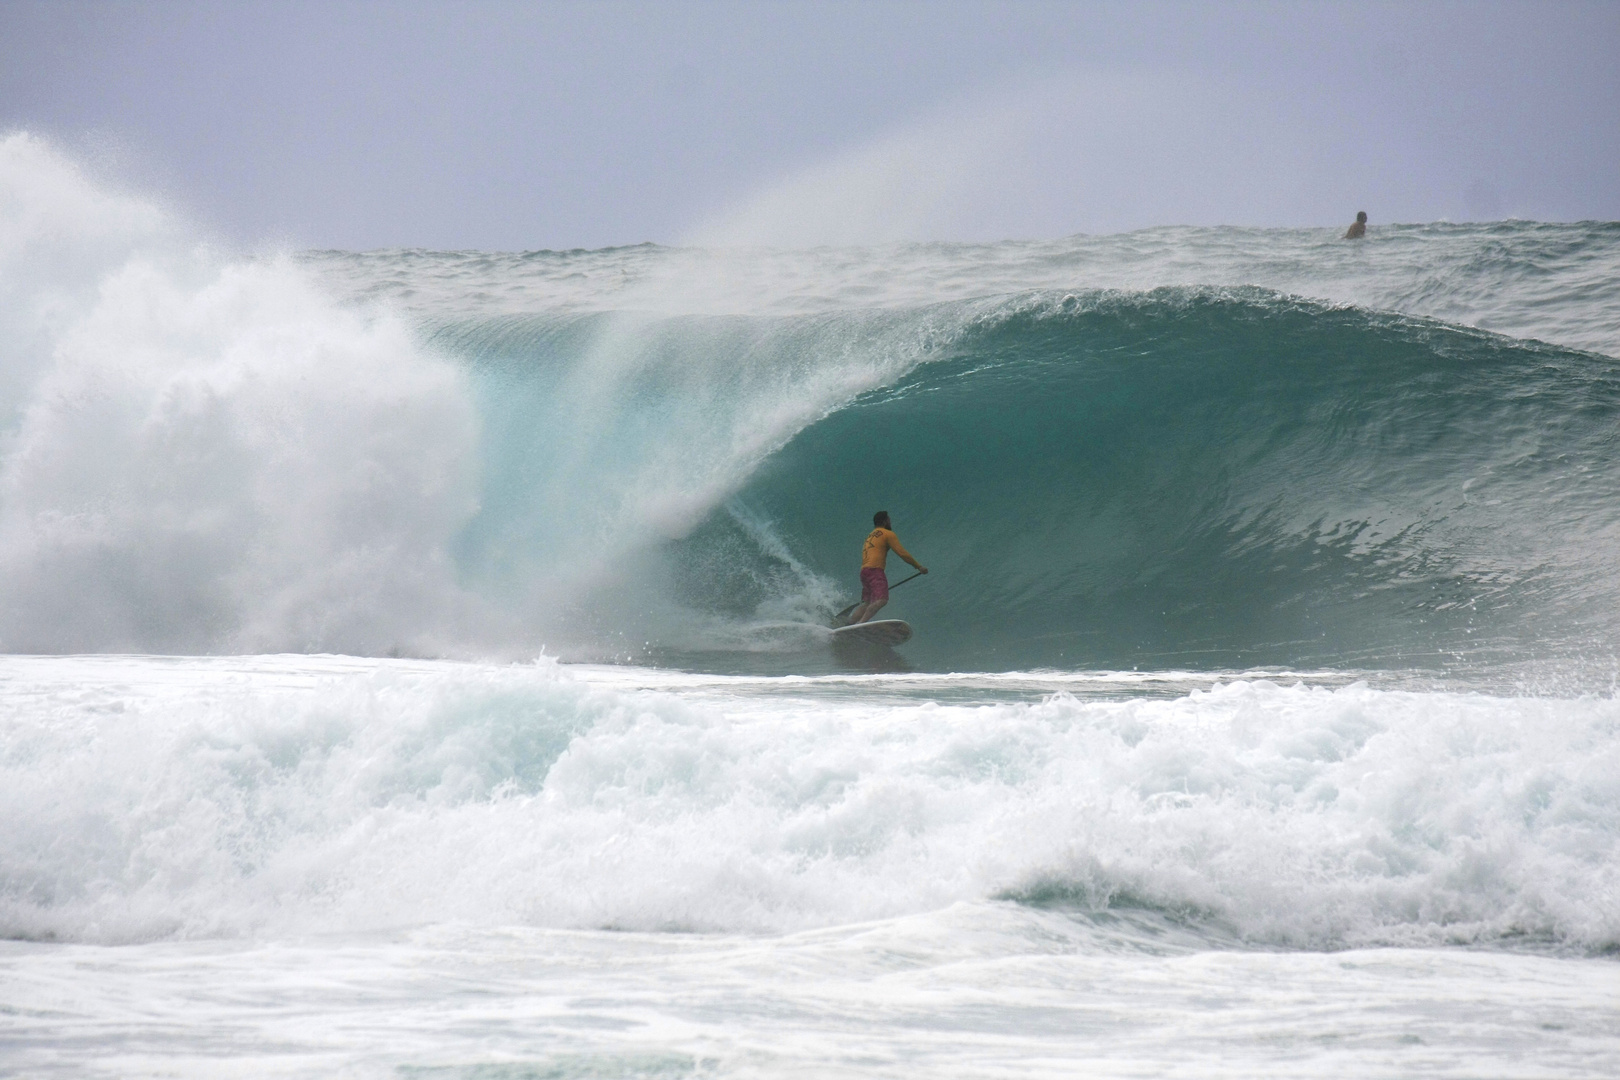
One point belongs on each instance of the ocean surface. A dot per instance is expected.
(415, 663)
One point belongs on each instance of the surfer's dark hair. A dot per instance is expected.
(881, 519)
(1361, 215)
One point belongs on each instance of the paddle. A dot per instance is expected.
(838, 619)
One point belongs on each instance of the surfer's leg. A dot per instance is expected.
(859, 612)
(874, 594)
(869, 610)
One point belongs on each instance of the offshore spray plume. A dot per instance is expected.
(202, 454)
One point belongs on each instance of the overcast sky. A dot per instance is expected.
(557, 125)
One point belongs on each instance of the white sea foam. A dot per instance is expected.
(148, 798)
(202, 453)
(972, 991)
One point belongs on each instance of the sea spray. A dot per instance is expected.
(210, 455)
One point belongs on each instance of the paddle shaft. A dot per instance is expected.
(857, 603)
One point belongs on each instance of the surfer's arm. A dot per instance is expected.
(894, 546)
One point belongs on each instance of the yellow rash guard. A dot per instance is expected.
(875, 552)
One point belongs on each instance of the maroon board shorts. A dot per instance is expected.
(874, 584)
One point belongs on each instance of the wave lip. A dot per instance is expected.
(1553, 282)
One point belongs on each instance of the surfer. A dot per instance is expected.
(874, 556)
(1359, 228)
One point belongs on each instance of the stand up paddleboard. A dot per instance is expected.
(876, 632)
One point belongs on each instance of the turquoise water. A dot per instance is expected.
(1190, 473)
(1223, 478)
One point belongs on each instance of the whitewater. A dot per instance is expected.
(415, 663)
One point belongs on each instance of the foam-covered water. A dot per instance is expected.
(618, 871)
(293, 795)
(1259, 721)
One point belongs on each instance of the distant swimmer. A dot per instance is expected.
(874, 556)
(1359, 229)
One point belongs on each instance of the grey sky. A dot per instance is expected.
(518, 126)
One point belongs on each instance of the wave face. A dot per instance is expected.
(1224, 477)
(1197, 447)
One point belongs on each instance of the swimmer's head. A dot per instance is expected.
(1361, 216)
(881, 520)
